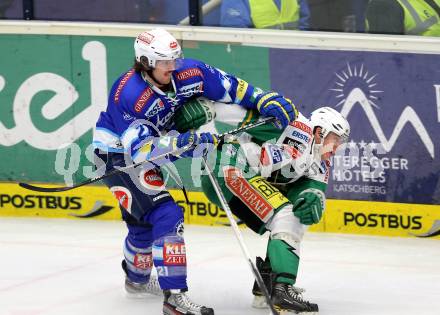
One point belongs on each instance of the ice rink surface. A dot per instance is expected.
(72, 267)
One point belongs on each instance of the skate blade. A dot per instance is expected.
(259, 302)
(282, 311)
(142, 295)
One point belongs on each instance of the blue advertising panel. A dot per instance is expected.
(392, 101)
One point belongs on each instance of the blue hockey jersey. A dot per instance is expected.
(137, 110)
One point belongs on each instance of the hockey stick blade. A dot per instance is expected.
(47, 189)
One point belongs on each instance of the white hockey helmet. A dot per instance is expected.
(156, 45)
(331, 120)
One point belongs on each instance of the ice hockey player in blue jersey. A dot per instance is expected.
(137, 127)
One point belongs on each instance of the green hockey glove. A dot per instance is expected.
(309, 206)
(193, 114)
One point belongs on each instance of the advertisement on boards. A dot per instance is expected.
(392, 101)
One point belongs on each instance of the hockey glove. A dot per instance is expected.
(271, 104)
(194, 114)
(203, 143)
(208, 138)
(309, 206)
(206, 143)
(185, 139)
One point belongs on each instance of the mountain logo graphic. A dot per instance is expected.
(355, 87)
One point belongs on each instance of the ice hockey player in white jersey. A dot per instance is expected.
(279, 186)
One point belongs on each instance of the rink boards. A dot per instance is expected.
(388, 183)
(341, 216)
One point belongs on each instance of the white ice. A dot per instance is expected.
(63, 267)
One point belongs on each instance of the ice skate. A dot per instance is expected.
(259, 300)
(176, 302)
(288, 299)
(263, 267)
(136, 290)
(142, 290)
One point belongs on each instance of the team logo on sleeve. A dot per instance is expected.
(270, 155)
(124, 197)
(152, 179)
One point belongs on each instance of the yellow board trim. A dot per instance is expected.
(341, 216)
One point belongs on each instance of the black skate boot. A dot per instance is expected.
(265, 270)
(176, 302)
(141, 290)
(288, 299)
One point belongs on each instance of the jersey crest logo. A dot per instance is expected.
(155, 108)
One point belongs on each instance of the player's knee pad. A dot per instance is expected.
(285, 222)
(167, 219)
(138, 262)
(169, 255)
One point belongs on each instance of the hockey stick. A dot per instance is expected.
(111, 173)
(239, 236)
(125, 168)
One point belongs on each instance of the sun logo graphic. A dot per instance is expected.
(352, 78)
(356, 87)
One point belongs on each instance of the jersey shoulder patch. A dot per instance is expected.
(122, 83)
(190, 70)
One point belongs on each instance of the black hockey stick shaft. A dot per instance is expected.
(239, 236)
(125, 168)
(111, 173)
